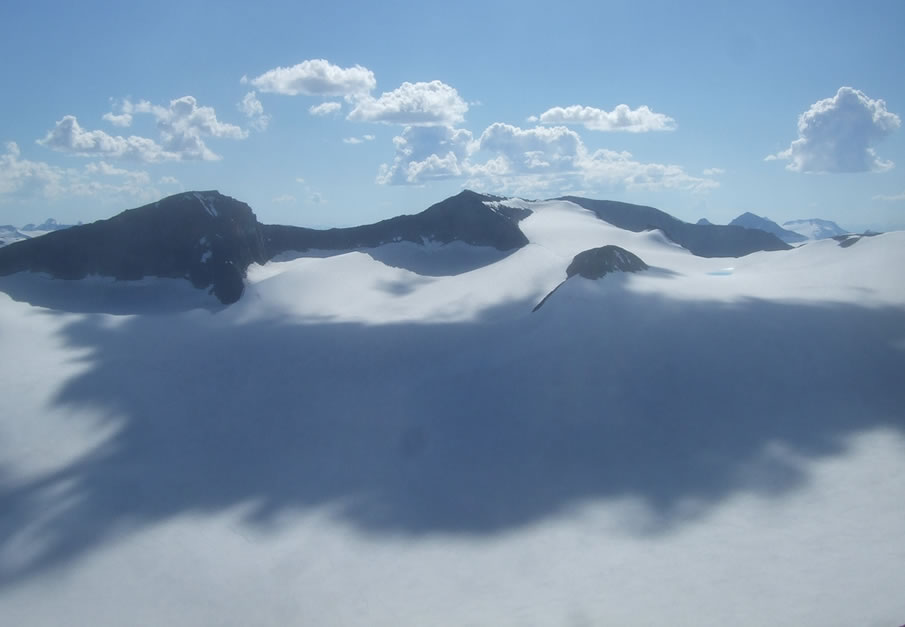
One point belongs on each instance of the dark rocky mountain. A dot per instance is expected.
(205, 237)
(752, 221)
(211, 239)
(701, 239)
(814, 228)
(596, 263)
(464, 217)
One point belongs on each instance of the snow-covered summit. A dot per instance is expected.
(814, 228)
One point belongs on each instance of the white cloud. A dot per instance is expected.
(315, 77)
(122, 119)
(24, 178)
(169, 180)
(890, 198)
(358, 140)
(254, 111)
(427, 153)
(325, 108)
(182, 126)
(713, 171)
(836, 134)
(283, 199)
(68, 136)
(104, 168)
(539, 148)
(413, 104)
(525, 161)
(19, 175)
(317, 198)
(622, 118)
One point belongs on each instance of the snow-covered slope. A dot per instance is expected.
(815, 228)
(707, 442)
(10, 234)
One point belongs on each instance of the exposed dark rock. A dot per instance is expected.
(751, 221)
(701, 239)
(598, 262)
(464, 217)
(211, 239)
(850, 240)
(205, 237)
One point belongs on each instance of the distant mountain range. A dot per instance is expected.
(751, 221)
(791, 232)
(10, 234)
(210, 239)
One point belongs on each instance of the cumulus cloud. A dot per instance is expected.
(525, 161)
(22, 175)
(182, 126)
(254, 111)
(413, 104)
(713, 171)
(315, 77)
(622, 118)
(104, 168)
(539, 148)
(24, 178)
(426, 153)
(325, 108)
(283, 199)
(358, 140)
(68, 136)
(121, 119)
(836, 135)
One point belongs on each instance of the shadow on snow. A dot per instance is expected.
(461, 428)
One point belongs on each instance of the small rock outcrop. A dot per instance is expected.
(598, 262)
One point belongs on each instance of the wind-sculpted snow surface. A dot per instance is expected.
(358, 443)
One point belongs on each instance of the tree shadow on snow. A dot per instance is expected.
(460, 428)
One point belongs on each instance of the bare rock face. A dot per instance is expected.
(598, 262)
(211, 239)
(205, 237)
(468, 217)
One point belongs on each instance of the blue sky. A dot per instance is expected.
(789, 110)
